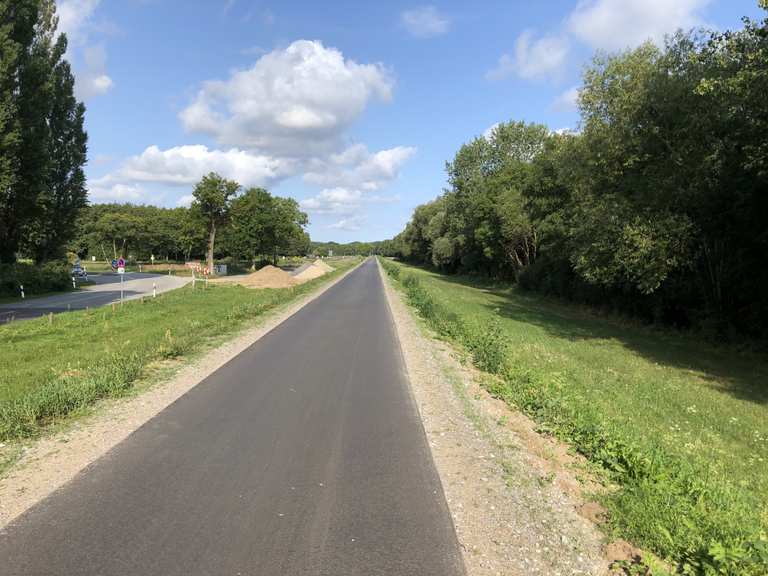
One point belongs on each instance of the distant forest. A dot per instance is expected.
(656, 206)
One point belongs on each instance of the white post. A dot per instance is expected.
(74, 284)
(154, 290)
(22, 291)
(121, 289)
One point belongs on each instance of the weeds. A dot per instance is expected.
(688, 511)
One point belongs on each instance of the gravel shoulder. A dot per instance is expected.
(516, 502)
(48, 463)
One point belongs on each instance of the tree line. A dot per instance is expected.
(222, 222)
(657, 206)
(43, 143)
(351, 248)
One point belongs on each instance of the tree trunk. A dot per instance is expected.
(211, 239)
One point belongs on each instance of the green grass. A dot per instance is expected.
(679, 425)
(48, 371)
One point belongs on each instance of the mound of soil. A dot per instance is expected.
(301, 268)
(267, 277)
(322, 265)
(309, 273)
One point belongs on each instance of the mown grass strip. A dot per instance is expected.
(49, 370)
(706, 514)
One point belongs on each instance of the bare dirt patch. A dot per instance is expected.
(513, 493)
(48, 463)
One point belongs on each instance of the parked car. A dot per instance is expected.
(79, 272)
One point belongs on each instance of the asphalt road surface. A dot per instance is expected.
(106, 289)
(304, 455)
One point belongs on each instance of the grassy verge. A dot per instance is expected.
(48, 371)
(680, 427)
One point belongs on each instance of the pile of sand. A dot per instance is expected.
(311, 271)
(272, 277)
(321, 264)
(267, 277)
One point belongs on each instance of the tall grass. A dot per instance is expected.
(705, 515)
(51, 369)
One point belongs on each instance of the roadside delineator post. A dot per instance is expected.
(193, 278)
(21, 287)
(74, 283)
(154, 289)
(121, 272)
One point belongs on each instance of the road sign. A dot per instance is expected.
(114, 264)
(121, 269)
(121, 262)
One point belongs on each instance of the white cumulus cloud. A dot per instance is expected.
(89, 60)
(334, 201)
(286, 116)
(619, 24)
(351, 224)
(295, 101)
(425, 22)
(74, 17)
(357, 168)
(533, 57)
(108, 191)
(185, 166)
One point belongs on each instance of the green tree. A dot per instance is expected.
(213, 197)
(251, 222)
(35, 110)
(42, 140)
(262, 224)
(65, 192)
(17, 29)
(288, 225)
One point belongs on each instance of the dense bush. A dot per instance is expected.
(53, 276)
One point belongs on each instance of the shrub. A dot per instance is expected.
(50, 277)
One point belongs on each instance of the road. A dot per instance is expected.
(304, 455)
(106, 289)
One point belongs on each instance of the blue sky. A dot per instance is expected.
(352, 108)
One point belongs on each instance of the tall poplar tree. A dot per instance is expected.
(42, 138)
(17, 28)
(64, 193)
